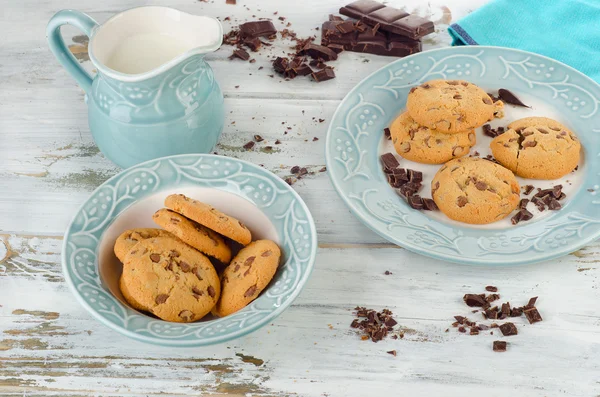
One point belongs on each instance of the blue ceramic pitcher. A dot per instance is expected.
(153, 95)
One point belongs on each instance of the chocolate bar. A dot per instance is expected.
(389, 19)
(378, 42)
(250, 30)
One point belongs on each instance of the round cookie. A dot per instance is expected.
(451, 105)
(128, 297)
(171, 279)
(246, 276)
(424, 145)
(474, 190)
(194, 234)
(537, 148)
(210, 217)
(129, 238)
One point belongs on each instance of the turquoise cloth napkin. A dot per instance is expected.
(566, 30)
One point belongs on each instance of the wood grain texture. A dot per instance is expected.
(49, 164)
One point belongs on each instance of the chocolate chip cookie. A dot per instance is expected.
(129, 238)
(194, 234)
(210, 217)
(451, 105)
(425, 145)
(537, 148)
(474, 190)
(170, 279)
(247, 275)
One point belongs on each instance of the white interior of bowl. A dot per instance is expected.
(139, 215)
(571, 182)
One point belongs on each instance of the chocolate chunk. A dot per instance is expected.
(415, 202)
(185, 267)
(557, 191)
(508, 329)
(529, 144)
(527, 189)
(492, 297)
(388, 18)
(491, 288)
(480, 185)
(280, 64)
(186, 315)
(510, 98)
(241, 54)
(316, 51)
(429, 205)
(533, 315)
(295, 169)
(263, 28)
(531, 302)
(253, 43)
(380, 43)
(337, 48)
(249, 145)
(415, 176)
(482, 327)
(461, 201)
(387, 133)
(523, 203)
(499, 346)
(155, 258)
(506, 309)
(525, 215)
(389, 161)
(516, 312)
(303, 70)
(554, 205)
(258, 138)
(323, 75)
(474, 331)
(474, 300)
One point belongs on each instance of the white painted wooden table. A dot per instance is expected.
(49, 164)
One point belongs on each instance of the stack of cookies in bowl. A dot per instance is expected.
(440, 126)
(167, 272)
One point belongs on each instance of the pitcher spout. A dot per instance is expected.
(143, 42)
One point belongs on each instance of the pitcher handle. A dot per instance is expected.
(81, 21)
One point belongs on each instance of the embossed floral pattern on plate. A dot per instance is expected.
(357, 127)
(276, 199)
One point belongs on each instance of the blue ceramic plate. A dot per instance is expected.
(265, 203)
(355, 141)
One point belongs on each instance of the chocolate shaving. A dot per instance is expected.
(510, 98)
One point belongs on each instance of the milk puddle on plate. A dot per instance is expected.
(142, 53)
(571, 182)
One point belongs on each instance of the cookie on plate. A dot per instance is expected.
(537, 148)
(452, 105)
(247, 275)
(210, 217)
(425, 145)
(194, 234)
(171, 279)
(129, 238)
(474, 190)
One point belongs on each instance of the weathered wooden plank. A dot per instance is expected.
(48, 342)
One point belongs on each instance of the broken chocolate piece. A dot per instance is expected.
(499, 346)
(316, 51)
(388, 18)
(415, 202)
(474, 300)
(508, 329)
(323, 75)
(533, 315)
(510, 98)
(429, 205)
(253, 43)
(523, 203)
(527, 189)
(263, 28)
(387, 133)
(415, 176)
(389, 161)
(241, 54)
(491, 288)
(249, 145)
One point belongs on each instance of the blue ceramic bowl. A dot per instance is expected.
(264, 202)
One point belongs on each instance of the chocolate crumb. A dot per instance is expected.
(491, 288)
(258, 138)
(249, 145)
(392, 352)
